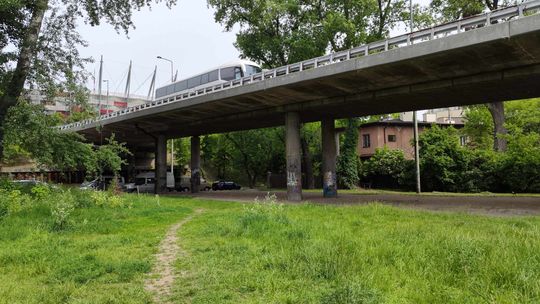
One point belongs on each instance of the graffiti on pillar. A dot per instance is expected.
(293, 179)
(329, 179)
(329, 184)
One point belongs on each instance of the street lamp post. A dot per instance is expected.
(415, 118)
(107, 81)
(172, 66)
(172, 141)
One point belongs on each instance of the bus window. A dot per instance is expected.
(213, 76)
(193, 82)
(204, 78)
(251, 69)
(182, 85)
(231, 73)
(161, 92)
(227, 74)
(238, 73)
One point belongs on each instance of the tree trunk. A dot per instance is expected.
(27, 52)
(308, 165)
(497, 113)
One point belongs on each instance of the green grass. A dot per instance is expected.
(101, 257)
(238, 253)
(369, 254)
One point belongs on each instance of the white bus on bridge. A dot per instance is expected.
(218, 75)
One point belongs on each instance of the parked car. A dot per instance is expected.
(146, 182)
(102, 183)
(184, 184)
(223, 185)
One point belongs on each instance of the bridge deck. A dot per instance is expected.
(492, 63)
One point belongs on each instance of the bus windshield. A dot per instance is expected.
(251, 69)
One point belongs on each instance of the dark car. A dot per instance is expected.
(222, 185)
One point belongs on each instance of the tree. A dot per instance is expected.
(449, 10)
(280, 32)
(348, 161)
(256, 151)
(442, 159)
(44, 33)
(32, 134)
(478, 127)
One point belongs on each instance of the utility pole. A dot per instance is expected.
(99, 84)
(415, 120)
(107, 108)
(172, 66)
(172, 156)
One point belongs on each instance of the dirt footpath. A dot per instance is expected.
(492, 205)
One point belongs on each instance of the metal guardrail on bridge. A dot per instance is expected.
(440, 31)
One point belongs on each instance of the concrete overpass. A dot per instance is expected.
(485, 58)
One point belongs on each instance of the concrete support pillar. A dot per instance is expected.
(294, 160)
(161, 164)
(195, 164)
(329, 154)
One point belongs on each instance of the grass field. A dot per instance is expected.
(272, 254)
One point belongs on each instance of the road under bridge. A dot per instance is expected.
(485, 58)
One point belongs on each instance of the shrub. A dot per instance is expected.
(61, 210)
(6, 184)
(41, 192)
(520, 165)
(442, 160)
(13, 201)
(263, 211)
(384, 168)
(108, 199)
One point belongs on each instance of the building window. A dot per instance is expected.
(366, 143)
(391, 138)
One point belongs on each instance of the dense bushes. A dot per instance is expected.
(447, 166)
(60, 202)
(385, 169)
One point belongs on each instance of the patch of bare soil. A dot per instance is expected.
(163, 274)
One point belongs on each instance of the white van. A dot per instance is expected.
(146, 182)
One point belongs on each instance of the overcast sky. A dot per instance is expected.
(186, 34)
